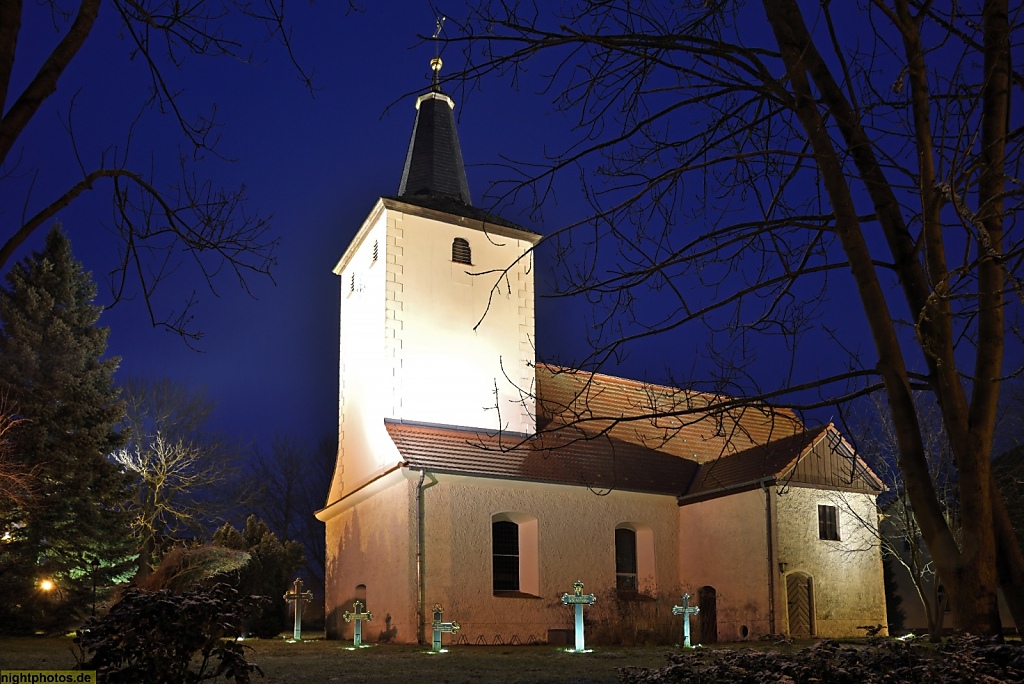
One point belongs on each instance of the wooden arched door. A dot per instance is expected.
(799, 604)
(707, 600)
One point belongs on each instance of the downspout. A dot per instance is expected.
(420, 580)
(771, 553)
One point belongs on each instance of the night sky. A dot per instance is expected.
(316, 163)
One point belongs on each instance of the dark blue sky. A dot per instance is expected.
(317, 163)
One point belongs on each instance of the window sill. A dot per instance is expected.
(514, 594)
(633, 595)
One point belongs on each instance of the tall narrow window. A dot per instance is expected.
(828, 523)
(376, 250)
(460, 251)
(625, 560)
(505, 550)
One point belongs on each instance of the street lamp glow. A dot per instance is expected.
(46, 585)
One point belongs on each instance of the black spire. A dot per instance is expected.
(433, 164)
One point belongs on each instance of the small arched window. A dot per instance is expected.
(634, 559)
(514, 558)
(625, 559)
(460, 251)
(505, 545)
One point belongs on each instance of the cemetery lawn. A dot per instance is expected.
(318, 660)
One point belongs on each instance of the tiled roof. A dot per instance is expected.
(433, 164)
(694, 425)
(563, 458)
(756, 463)
(614, 443)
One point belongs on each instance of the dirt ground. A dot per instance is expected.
(318, 660)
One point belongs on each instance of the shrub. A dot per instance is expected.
(628, 619)
(880, 660)
(269, 572)
(166, 638)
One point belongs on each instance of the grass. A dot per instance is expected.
(318, 660)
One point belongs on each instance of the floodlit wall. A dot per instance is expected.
(371, 542)
(575, 536)
(365, 450)
(847, 591)
(455, 339)
(723, 543)
(422, 340)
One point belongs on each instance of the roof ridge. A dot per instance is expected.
(644, 384)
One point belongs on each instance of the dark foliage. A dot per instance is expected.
(53, 374)
(961, 660)
(269, 572)
(893, 601)
(1008, 472)
(184, 567)
(167, 638)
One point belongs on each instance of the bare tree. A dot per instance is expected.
(164, 213)
(288, 484)
(898, 534)
(739, 161)
(164, 405)
(171, 481)
(17, 481)
(180, 467)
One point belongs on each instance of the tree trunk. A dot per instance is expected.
(1009, 560)
(970, 570)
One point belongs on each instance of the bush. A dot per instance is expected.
(166, 638)
(961, 660)
(269, 572)
(628, 619)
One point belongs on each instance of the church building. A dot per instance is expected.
(471, 476)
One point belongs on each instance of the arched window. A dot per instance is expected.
(625, 559)
(514, 557)
(461, 253)
(505, 546)
(634, 558)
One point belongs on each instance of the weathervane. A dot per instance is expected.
(435, 63)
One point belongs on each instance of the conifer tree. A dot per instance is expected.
(269, 572)
(73, 531)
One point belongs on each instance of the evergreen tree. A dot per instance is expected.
(73, 531)
(269, 572)
(897, 617)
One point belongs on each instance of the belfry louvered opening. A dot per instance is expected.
(461, 253)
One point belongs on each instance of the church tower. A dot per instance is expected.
(437, 309)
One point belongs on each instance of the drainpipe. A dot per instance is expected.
(771, 553)
(420, 581)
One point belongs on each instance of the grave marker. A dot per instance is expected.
(686, 611)
(298, 597)
(578, 599)
(358, 615)
(440, 627)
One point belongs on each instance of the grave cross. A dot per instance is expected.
(686, 611)
(442, 627)
(578, 599)
(358, 615)
(298, 597)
